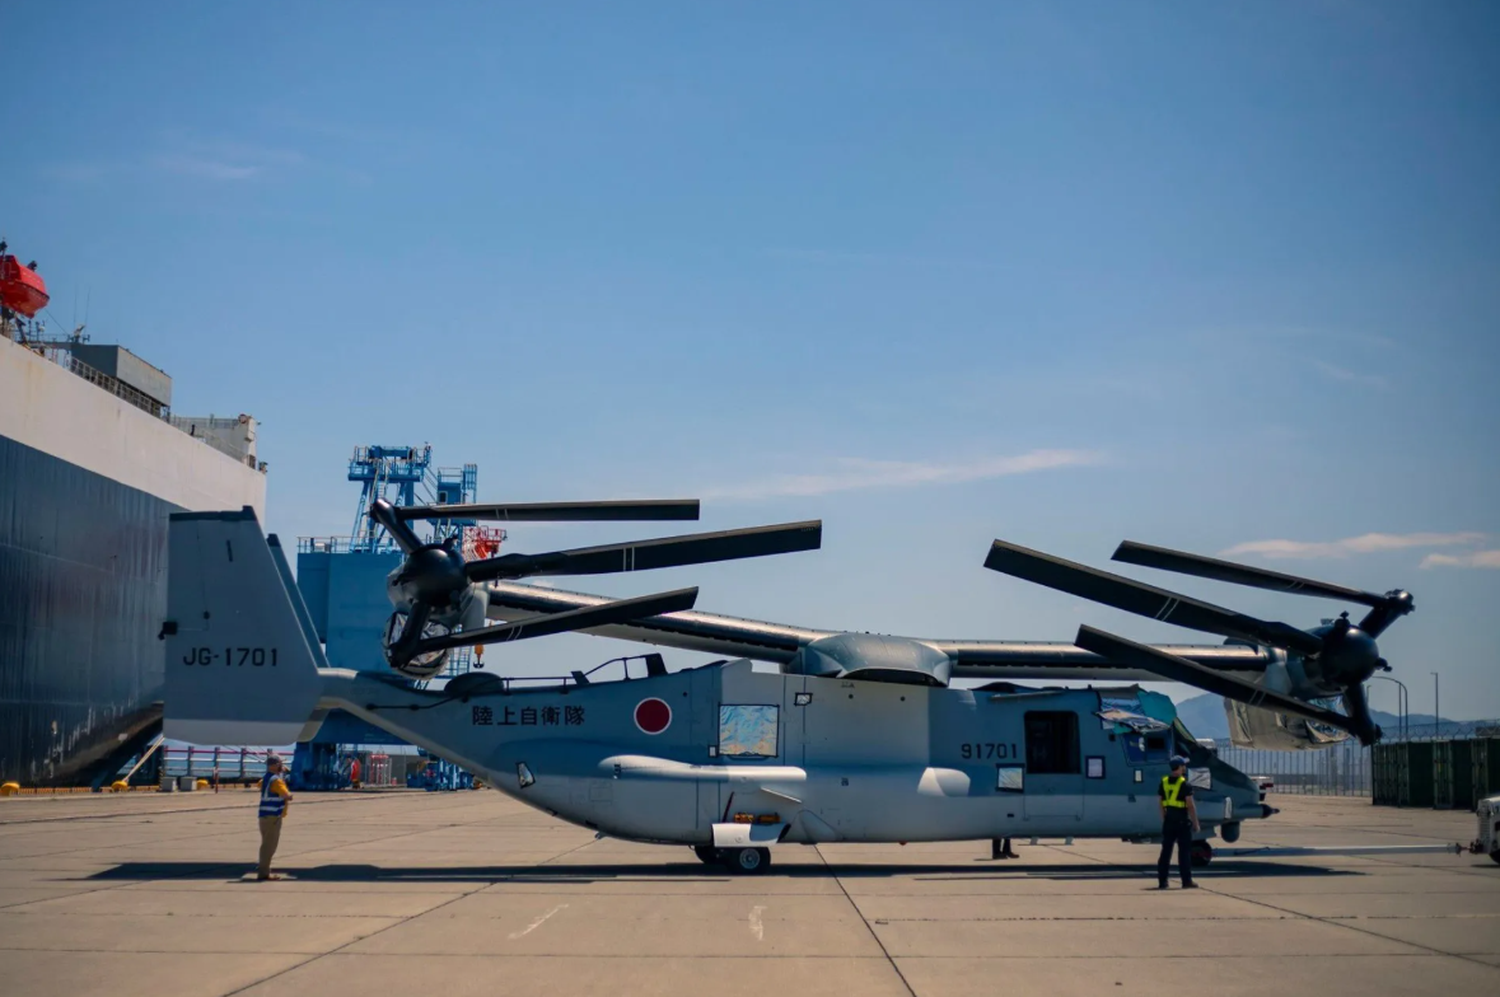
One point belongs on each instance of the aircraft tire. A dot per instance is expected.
(707, 854)
(1495, 855)
(747, 861)
(1202, 854)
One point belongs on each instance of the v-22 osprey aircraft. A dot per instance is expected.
(852, 737)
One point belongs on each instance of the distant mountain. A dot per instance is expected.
(1203, 715)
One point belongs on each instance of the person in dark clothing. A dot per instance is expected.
(1179, 822)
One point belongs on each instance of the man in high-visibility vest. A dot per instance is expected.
(274, 797)
(1179, 821)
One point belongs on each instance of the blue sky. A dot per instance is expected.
(1206, 276)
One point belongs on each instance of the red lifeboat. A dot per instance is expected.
(21, 288)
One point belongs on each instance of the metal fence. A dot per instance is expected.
(1341, 770)
(64, 358)
(1345, 769)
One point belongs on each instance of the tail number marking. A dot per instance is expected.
(988, 749)
(232, 657)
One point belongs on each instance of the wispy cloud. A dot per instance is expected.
(208, 169)
(1351, 376)
(78, 172)
(1305, 338)
(217, 160)
(226, 161)
(1368, 543)
(856, 473)
(1473, 559)
(838, 257)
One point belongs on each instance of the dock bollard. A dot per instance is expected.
(9, 788)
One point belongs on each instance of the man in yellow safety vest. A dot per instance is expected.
(1179, 822)
(274, 797)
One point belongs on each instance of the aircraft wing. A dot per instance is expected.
(735, 637)
(993, 659)
(689, 631)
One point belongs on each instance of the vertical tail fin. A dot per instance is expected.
(241, 657)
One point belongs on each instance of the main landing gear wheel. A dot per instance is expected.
(707, 854)
(1202, 854)
(1495, 855)
(746, 861)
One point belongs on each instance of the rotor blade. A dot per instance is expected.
(666, 552)
(1176, 669)
(411, 634)
(620, 611)
(1142, 599)
(1240, 574)
(1358, 708)
(558, 512)
(1397, 604)
(388, 516)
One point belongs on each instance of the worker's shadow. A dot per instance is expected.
(591, 872)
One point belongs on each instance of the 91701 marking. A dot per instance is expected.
(988, 749)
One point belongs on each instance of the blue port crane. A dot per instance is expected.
(342, 580)
(406, 476)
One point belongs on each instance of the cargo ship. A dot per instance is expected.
(92, 462)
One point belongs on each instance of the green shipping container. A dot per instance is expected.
(1415, 763)
(1463, 775)
(1442, 775)
(1384, 781)
(1453, 775)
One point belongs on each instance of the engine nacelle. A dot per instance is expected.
(422, 666)
(873, 658)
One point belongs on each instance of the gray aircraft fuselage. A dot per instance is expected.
(725, 756)
(663, 759)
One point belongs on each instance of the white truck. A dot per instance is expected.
(1488, 841)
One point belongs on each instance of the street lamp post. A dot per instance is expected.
(1403, 702)
(1437, 710)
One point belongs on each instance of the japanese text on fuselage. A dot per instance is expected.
(527, 716)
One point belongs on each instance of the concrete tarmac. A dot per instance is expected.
(453, 894)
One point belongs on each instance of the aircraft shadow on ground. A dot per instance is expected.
(583, 873)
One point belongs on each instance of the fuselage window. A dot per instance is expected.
(747, 731)
(1052, 743)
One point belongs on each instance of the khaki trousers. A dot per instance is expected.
(270, 836)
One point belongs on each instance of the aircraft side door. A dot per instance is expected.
(704, 695)
(1054, 766)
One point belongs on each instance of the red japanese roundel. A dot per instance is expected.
(653, 715)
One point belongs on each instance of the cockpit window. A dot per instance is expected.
(1141, 749)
